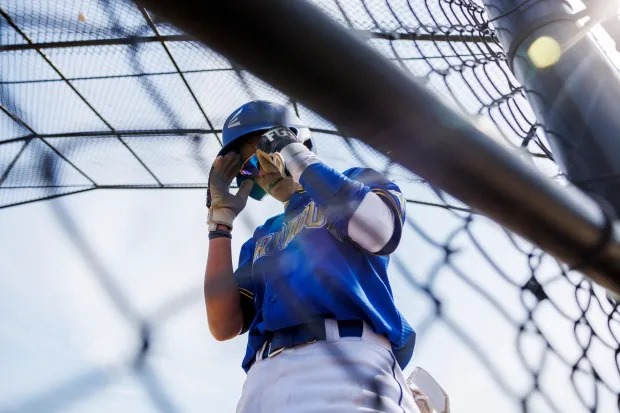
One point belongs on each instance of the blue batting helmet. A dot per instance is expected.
(257, 116)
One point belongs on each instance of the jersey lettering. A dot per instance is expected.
(311, 217)
(262, 245)
(315, 218)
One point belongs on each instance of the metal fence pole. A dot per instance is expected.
(576, 99)
(298, 49)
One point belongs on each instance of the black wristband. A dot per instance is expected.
(219, 233)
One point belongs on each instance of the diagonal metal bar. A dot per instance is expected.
(53, 66)
(26, 141)
(13, 162)
(53, 149)
(34, 135)
(15, 118)
(153, 27)
(73, 88)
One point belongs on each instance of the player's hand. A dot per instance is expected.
(224, 206)
(269, 147)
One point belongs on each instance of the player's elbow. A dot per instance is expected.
(221, 335)
(224, 329)
(390, 246)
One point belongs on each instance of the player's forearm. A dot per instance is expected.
(221, 292)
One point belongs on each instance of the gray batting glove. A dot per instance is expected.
(225, 206)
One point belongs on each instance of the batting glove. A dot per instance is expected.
(279, 150)
(224, 206)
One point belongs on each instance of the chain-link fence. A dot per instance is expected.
(102, 95)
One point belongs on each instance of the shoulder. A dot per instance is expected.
(247, 249)
(367, 176)
(381, 185)
(267, 226)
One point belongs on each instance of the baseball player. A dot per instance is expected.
(311, 288)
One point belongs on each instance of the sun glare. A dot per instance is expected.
(544, 52)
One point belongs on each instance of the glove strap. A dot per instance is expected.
(219, 233)
(297, 158)
(224, 216)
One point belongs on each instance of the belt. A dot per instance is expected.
(307, 333)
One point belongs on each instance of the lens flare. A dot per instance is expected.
(544, 52)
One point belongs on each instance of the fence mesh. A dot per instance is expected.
(102, 95)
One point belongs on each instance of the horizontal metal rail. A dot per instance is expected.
(132, 133)
(95, 42)
(440, 37)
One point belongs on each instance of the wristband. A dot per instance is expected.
(219, 233)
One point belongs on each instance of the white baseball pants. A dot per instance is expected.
(338, 375)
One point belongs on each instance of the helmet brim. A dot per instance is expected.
(236, 144)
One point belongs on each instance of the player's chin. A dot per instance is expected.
(282, 189)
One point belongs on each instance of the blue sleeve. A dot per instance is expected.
(247, 290)
(340, 195)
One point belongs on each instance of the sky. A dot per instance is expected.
(58, 326)
(68, 345)
(57, 323)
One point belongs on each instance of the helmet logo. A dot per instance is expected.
(234, 120)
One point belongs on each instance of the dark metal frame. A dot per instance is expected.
(149, 34)
(316, 61)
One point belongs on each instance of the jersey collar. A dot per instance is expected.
(297, 200)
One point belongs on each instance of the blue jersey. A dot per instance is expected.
(301, 265)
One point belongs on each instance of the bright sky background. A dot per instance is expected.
(56, 323)
(63, 341)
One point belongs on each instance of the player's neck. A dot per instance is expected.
(299, 191)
